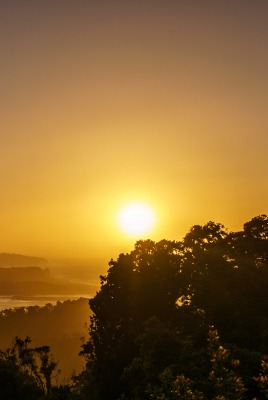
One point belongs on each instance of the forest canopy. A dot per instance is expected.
(156, 306)
(60, 326)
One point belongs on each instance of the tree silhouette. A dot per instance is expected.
(211, 277)
(30, 366)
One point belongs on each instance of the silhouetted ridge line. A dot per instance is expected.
(12, 259)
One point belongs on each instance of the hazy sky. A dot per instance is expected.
(106, 102)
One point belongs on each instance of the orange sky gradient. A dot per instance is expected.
(109, 102)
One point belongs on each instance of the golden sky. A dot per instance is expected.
(106, 102)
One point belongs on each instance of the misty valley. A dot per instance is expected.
(61, 326)
(24, 286)
(48, 309)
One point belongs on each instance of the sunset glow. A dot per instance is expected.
(136, 219)
(106, 102)
(133, 182)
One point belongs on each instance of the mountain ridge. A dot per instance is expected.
(19, 260)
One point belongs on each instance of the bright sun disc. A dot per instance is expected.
(136, 218)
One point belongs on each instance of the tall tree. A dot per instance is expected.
(29, 366)
(211, 277)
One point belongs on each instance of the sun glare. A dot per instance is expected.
(136, 219)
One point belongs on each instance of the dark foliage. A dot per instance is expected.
(60, 326)
(152, 332)
(26, 371)
(153, 311)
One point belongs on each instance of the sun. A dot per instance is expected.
(136, 219)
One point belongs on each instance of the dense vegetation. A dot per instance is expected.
(60, 327)
(180, 320)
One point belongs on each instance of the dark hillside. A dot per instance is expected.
(61, 327)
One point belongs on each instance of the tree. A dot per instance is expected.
(163, 352)
(170, 369)
(16, 384)
(227, 277)
(262, 378)
(211, 277)
(28, 370)
(138, 285)
(225, 382)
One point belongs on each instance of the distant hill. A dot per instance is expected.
(45, 288)
(18, 260)
(19, 274)
(35, 281)
(23, 279)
